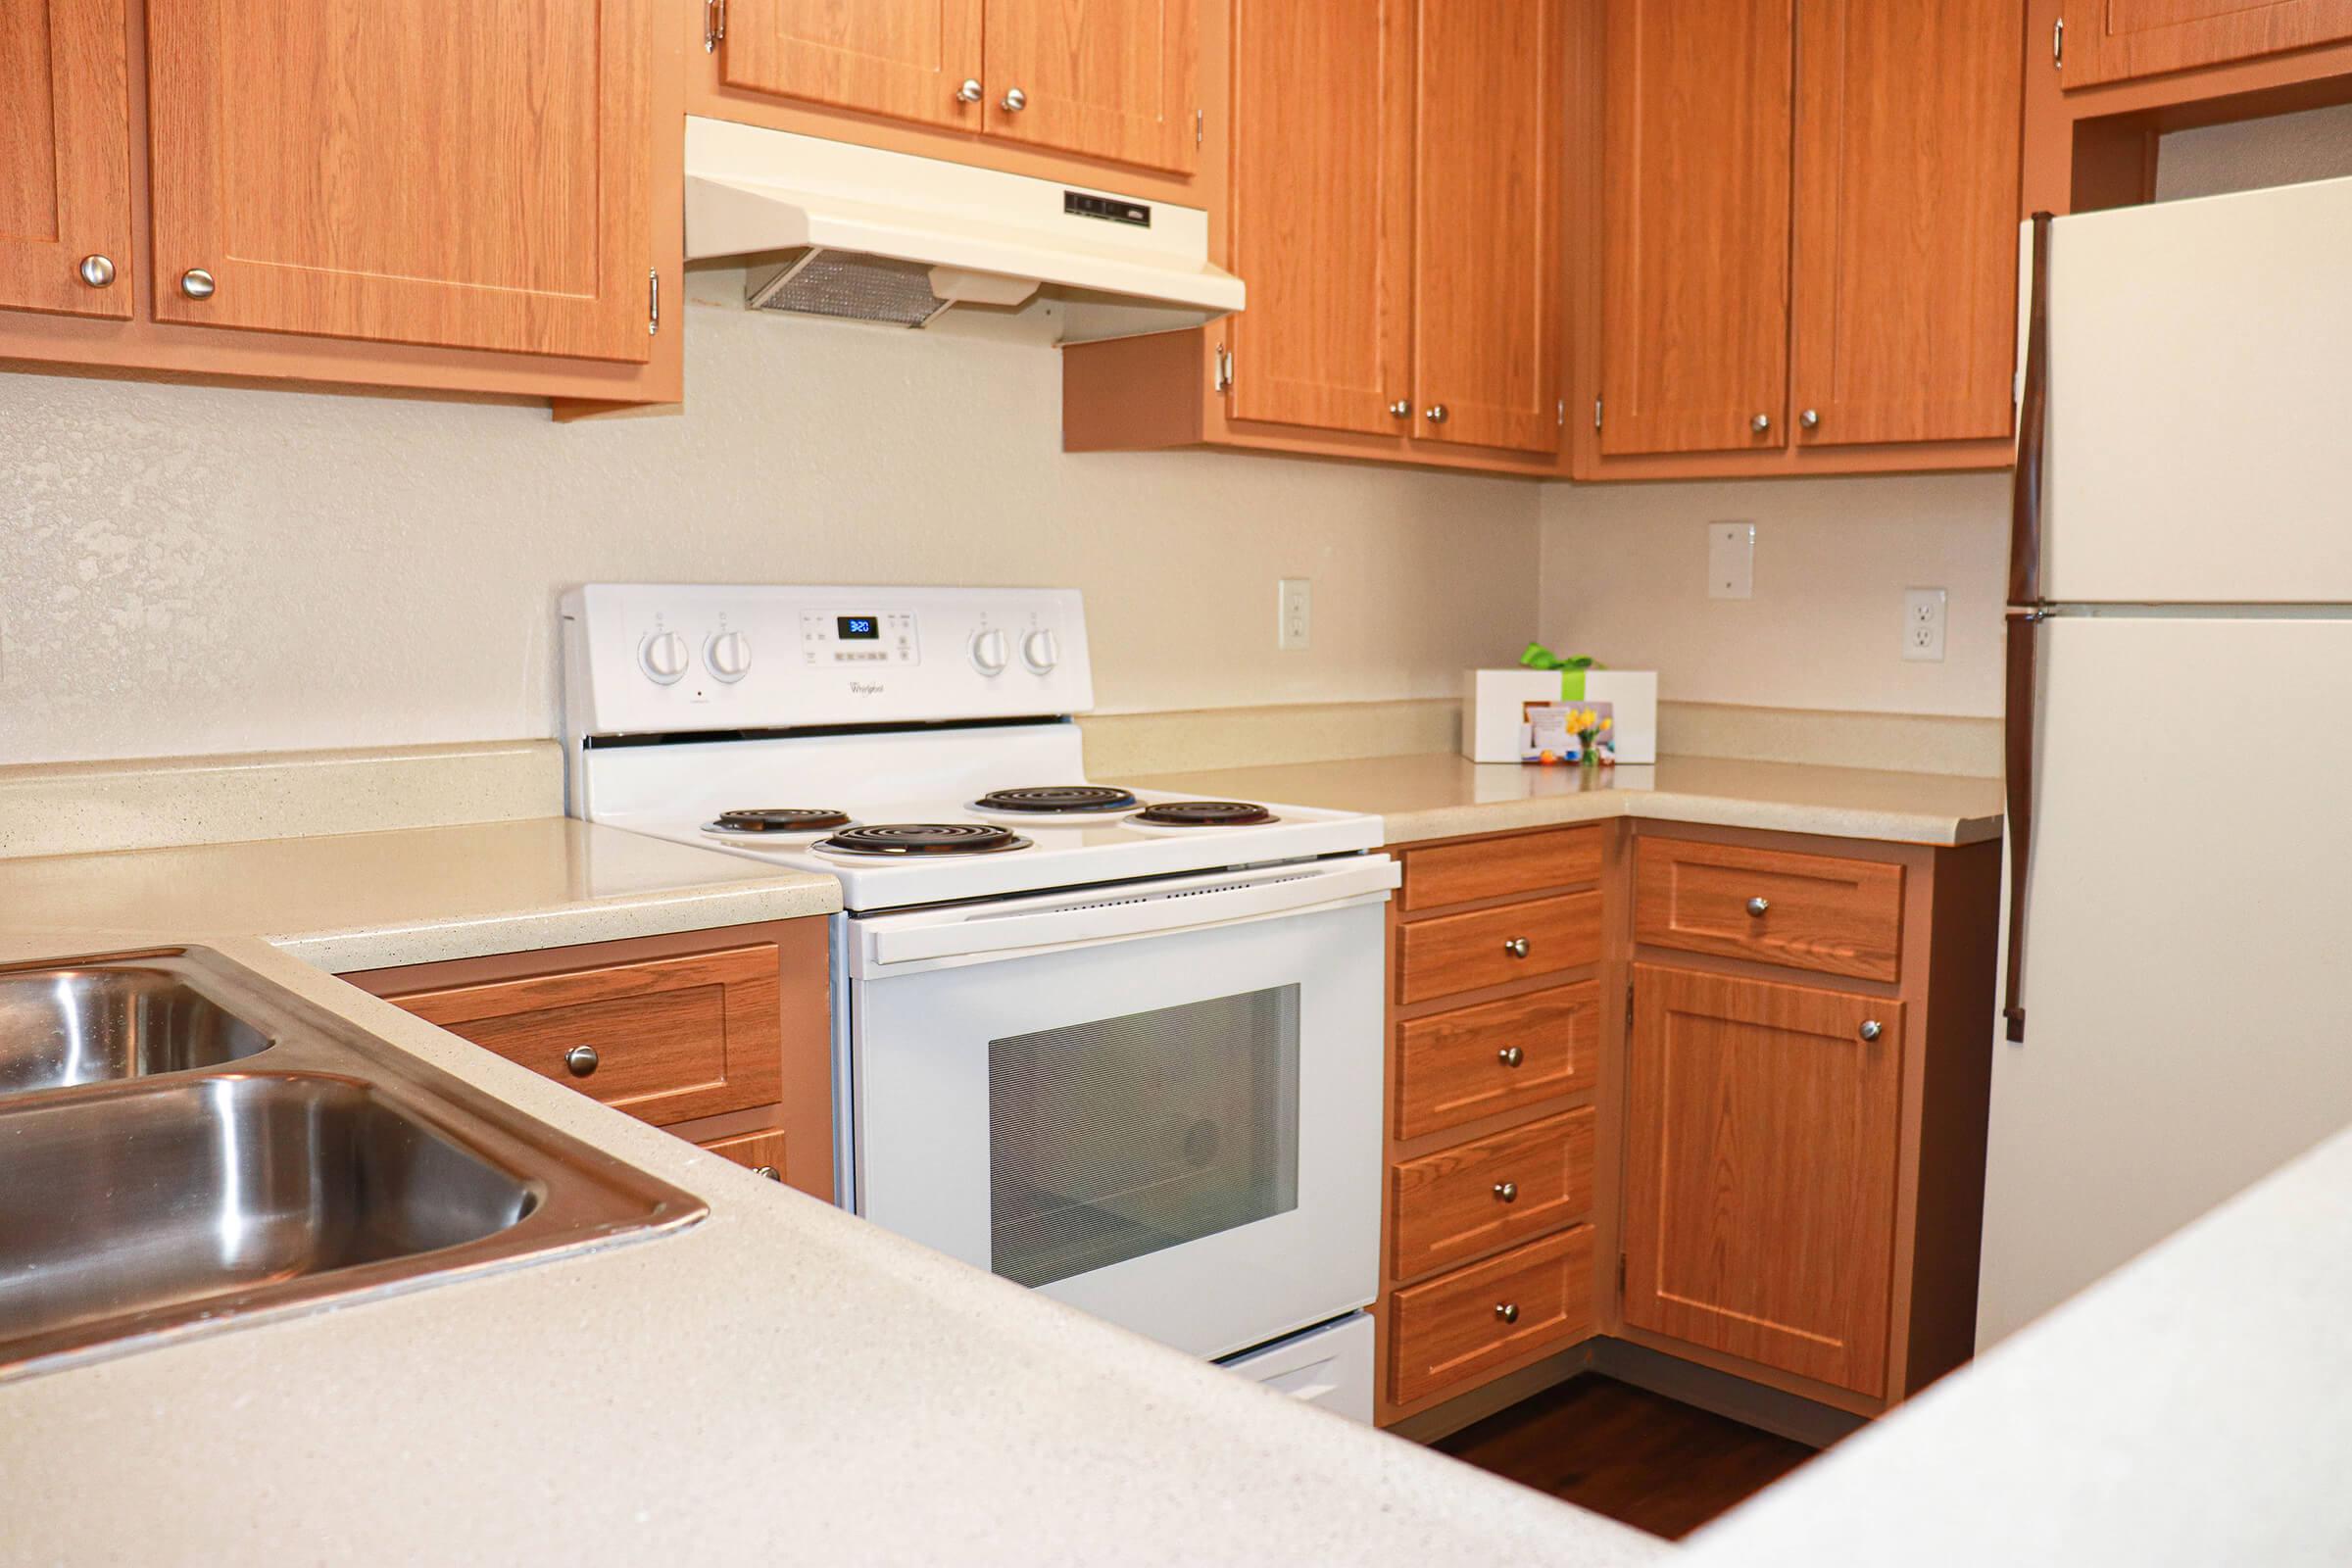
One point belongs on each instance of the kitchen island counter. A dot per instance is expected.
(781, 1380)
(1438, 796)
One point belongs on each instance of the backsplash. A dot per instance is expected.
(195, 570)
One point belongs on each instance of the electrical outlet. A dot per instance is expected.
(1922, 625)
(1295, 612)
(1730, 560)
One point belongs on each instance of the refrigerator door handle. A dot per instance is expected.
(2025, 620)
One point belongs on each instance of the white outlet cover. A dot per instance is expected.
(1731, 560)
(1922, 625)
(1295, 612)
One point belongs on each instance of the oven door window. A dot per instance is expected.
(1111, 1139)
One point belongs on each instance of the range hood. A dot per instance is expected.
(832, 229)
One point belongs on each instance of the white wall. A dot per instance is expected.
(1623, 564)
(187, 570)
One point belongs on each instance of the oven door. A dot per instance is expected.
(1158, 1103)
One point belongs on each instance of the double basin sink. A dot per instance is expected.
(183, 1143)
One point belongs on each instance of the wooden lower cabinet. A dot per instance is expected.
(1749, 1139)
(1760, 1171)
(721, 1037)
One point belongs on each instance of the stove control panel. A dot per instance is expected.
(653, 658)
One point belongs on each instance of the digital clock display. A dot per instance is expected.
(860, 629)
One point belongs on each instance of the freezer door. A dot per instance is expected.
(2189, 942)
(2201, 401)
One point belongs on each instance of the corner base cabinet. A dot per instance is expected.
(720, 1036)
(1714, 1093)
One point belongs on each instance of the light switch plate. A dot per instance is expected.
(1295, 612)
(1731, 560)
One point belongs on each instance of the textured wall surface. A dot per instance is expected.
(1624, 566)
(189, 570)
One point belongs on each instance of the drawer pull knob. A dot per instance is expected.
(1516, 947)
(196, 284)
(580, 1060)
(1510, 1055)
(1508, 1311)
(1757, 905)
(1508, 1192)
(1870, 1029)
(769, 1171)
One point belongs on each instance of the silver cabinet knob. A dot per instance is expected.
(1760, 424)
(1508, 1311)
(1810, 418)
(1016, 100)
(1510, 1055)
(581, 1061)
(97, 270)
(769, 1171)
(1403, 408)
(1516, 947)
(970, 92)
(1756, 906)
(1436, 414)
(1870, 1029)
(196, 284)
(1508, 1192)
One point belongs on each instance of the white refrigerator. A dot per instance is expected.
(2178, 967)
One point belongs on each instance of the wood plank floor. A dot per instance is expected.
(1636, 1456)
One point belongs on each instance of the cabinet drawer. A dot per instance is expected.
(761, 1152)
(1497, 869)
(1461, 1324)
(1806, 911)
(666, 1039)
(1476, 1197)
(1454, 1067)
(1464, 951)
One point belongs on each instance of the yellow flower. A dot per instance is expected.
(1609, 723)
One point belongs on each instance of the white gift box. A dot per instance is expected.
(1494, 710)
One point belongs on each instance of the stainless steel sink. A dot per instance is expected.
(204, 1145)
(60, 1027)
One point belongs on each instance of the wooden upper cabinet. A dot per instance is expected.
(1109, 79)
(470, 173)
(2115, 40)
(1761, 1172)
(1487, 282)
(1322, 214)
(1693, 326)
(907, 59)
(65, 157)
(1904, 322)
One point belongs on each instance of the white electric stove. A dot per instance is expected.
(1124, 1048)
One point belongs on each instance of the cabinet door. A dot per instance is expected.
(464, 173)
(1322, 214)
(65, 156)
(1905, 318)
(1694, 238)
(1486, 278)
(2112, 40)
(1110, 79)
(1760, 1174)
(908, 59)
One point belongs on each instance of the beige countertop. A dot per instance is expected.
(1436, 796)
(780, 1381)
(368, 901)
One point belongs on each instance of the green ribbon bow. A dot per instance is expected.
(1572, 670)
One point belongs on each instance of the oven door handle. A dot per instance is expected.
(1120, 915)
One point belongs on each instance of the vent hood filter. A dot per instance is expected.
(843, 231)
(857, 288)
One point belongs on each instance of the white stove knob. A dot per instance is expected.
(1040, 651)
(990, 653)
(662, 657)
(729, 656)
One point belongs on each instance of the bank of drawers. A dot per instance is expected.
(1490, 1245)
